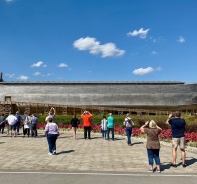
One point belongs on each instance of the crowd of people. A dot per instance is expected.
(107, 125)
(14, 122)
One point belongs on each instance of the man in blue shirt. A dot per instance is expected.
(110, 126)
(34, 121)
(178, 136)
(18, 122)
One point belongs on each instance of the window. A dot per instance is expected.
(7, 98)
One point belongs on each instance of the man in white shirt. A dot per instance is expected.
(11, 119)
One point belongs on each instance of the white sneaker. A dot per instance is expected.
(54, 152)
(50, 154)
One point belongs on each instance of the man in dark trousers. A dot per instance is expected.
(86, 116)
(2, 123)
(18, 122)
(34, 121)
(178, 136)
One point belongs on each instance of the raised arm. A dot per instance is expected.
(54, 110)
(158, 127)
(142, 127)
(169, 117)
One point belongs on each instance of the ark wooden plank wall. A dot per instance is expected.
(146, 95)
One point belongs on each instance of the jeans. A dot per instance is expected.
(51, 138)
(33, 130)
(17, 125)
(108, 131)
(128, 133)
(153, 154)
(26, 131)
(87, 130)
(104, 132)
(2, 128)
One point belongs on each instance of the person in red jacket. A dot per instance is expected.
(86, 116)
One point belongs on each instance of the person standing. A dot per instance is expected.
(153, 144)
(52, 133)
(128, 123)
(34, 121)
(18, 122)
(2, 123)
(11, 119)
(104, 127)
(26, 125)
(86, 116)
(74, 123)
(178, 136)
(51, 114)
(24, 117)
(110, 126)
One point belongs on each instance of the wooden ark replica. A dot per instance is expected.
(98, 97)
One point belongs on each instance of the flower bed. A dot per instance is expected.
(165, 134)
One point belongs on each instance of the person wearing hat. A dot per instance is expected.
(17, 125)
(153, 144)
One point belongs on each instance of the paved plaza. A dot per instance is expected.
(95, 155)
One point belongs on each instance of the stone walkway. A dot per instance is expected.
(84, 155)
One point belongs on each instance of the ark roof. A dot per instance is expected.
(91, 82)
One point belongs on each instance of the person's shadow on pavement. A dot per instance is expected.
(187, 161)
(191, 161)
(165, 165)
(65, 152)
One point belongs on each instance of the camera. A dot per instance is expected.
(173, 115)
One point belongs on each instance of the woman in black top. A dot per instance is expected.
(74, 122)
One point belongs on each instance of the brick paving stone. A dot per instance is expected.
(85, 155)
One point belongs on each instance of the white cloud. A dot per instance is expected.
(49, 74)
(94, 47)
(158, 68)
(62, 65)
(37, 73)
(44, 66)
(38, 64)
(9, 75)
(141, 33)
(181, 39)
(23, 78)
(9, 1)
(143, 71)
(153, 52)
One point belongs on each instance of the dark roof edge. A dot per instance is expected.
(93, 82)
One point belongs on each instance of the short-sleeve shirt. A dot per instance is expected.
(152, 138)
(178, 127)
(34, 120)
(74, 122)
(51, 128)
(86, 120)
(110, 122)
(50, 116)
(11, 119)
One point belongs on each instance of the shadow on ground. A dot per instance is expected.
(65, 152)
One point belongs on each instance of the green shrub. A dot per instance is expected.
(138, 120)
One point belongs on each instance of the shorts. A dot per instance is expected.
(12, 127)
(178, 142)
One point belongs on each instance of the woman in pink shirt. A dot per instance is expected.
(52, 132)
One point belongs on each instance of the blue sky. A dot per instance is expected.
(105, 40)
